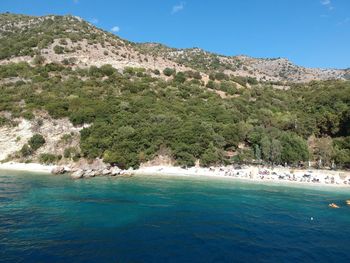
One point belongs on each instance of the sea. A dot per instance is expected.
(47, 218)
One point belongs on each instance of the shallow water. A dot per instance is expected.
(167, 219)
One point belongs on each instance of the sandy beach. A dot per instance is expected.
(30, 167)
(256, 174)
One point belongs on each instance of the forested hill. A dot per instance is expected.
(70, 91)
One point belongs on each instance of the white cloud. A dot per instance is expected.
(327, 3)
(178, 7)
(115, 29)
(94, 20)
(345, 21)
(75, 1)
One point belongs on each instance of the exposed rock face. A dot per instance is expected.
(160, 160)
(12, 138)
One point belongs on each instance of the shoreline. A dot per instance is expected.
(27, 167)
(256, 174)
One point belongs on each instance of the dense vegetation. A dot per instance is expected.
(134, 115)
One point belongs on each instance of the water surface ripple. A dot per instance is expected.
(47, 218)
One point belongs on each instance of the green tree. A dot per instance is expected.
(276, 151)
(323, 151)
(115, 158)
(257, 152)
(294, 148)
(265, 145)
(211, 156)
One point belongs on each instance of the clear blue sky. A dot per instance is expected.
(313, 33)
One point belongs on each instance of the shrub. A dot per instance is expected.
(38, 60)
(26, 150)
(28, 115)
(58, 49)
(3, 121)
(48, 158)
(66, 138)
(168, 72)
(180, 77)
(70, 152)
(63, 41)
(221, 76)
(107, 70)
(36, 142)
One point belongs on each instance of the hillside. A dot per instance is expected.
(275, 70)
(71, 40)
(71, 92)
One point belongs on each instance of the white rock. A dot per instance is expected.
(58, 170)
(106, 172)
(77, 174)
(90, 173)
(115, 170)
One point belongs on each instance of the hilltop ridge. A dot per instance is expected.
(70, 39)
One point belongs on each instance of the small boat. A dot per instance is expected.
(333, 205)
(348, 202)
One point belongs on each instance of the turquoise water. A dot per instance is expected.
(46, 218)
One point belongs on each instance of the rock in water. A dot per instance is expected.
(77, 174)
(89, 173)
(58, 170)
(115, 170)
(106, 172)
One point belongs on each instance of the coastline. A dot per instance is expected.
(255, 174)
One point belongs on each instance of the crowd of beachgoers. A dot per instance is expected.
(258, 173)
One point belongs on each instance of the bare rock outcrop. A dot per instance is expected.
(87, 169)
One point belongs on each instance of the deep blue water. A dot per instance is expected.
(46, 218)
